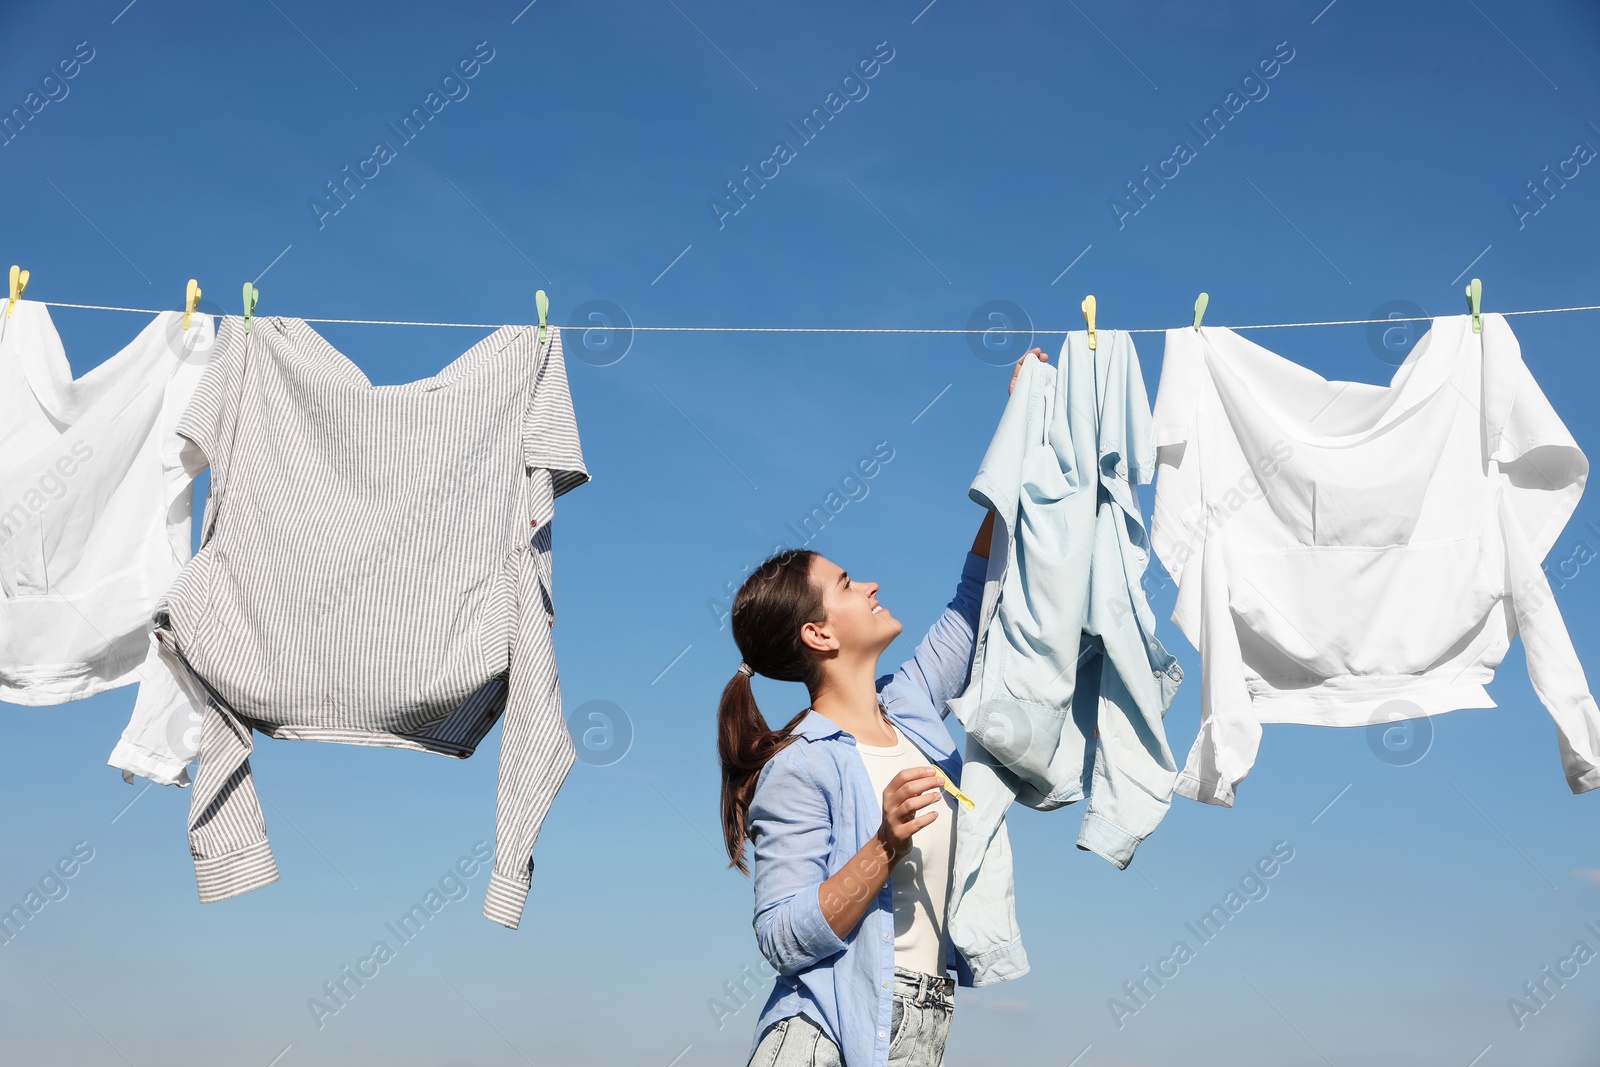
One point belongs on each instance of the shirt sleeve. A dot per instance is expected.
(937, 670)
(1230, 734)
(790, 827)
(536, 752)
(163, 733)
(1553, 665)
(549, 427)
(1544, 467)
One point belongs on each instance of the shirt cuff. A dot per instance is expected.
(974, 569)
(233, 873)
(504, 899)
(132, 759)
(1107, 840)
(1000, 964)
(969, 592)
(811, 931)
(1218, 792)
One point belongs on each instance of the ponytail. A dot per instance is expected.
(768, 611)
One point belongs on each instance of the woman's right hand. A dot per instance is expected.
(907, 794)
(1038, 353)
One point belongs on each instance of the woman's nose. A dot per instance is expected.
(872, 589)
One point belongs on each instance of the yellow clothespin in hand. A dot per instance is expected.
(1088, 315)
(19, 282)
(191, 300)
(950, 787)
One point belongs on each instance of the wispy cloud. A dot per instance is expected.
(1588, 874)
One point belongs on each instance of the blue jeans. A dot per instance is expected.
(922, 1003)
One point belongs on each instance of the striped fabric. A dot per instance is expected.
(374, 569)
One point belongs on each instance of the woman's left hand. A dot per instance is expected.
(1018, 368)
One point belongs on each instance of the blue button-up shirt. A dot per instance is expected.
(814, 807)
(1069, 684)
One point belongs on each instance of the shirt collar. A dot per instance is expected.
(817, 726)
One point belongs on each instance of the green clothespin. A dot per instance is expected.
(251, 295)
(1475, 304)
(542, 302)
(1200, 307)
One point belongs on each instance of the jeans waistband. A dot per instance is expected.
(925, 989)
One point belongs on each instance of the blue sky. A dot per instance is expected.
(1376, 168)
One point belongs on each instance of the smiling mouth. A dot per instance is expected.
(876, 608)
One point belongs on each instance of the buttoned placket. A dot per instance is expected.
(886, 894)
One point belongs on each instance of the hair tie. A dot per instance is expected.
(744, 669)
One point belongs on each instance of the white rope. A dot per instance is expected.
(828, 329)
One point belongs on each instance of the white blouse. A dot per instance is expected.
(1348, 554)
(94, 515)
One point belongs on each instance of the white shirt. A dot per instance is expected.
(94, 513)
(1348, 554)
(920, 881)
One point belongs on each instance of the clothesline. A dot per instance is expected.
(832, 329)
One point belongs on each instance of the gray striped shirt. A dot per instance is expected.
(374, 569)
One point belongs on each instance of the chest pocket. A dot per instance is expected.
(1368, 493)
(51, 503)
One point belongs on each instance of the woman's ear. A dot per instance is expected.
(817, 637)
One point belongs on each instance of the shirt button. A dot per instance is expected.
(886, 986)
(880, 1033)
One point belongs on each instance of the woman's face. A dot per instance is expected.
(856, 622)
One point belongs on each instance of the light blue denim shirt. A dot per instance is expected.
(814, 807)
(1069, 684)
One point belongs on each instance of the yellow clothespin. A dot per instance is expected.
(1474, 304)
(950, 787)
(1088, 314)
(19, 282)
(191, 300)
(1200, 307)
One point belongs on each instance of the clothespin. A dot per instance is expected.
(19, 282)
(950, 787)
(191, 300)
(1475, 304)
(1088, 314)
(1200, 307)
(251, 295)
(542, 302)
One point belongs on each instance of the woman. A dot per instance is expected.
(852, 829)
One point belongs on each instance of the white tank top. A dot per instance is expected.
(920, 882)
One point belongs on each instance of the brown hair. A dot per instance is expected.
(768, 611)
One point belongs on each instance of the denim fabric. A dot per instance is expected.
(922, 1007)
(1069, 685)
(814, 808)
(795, 1042)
